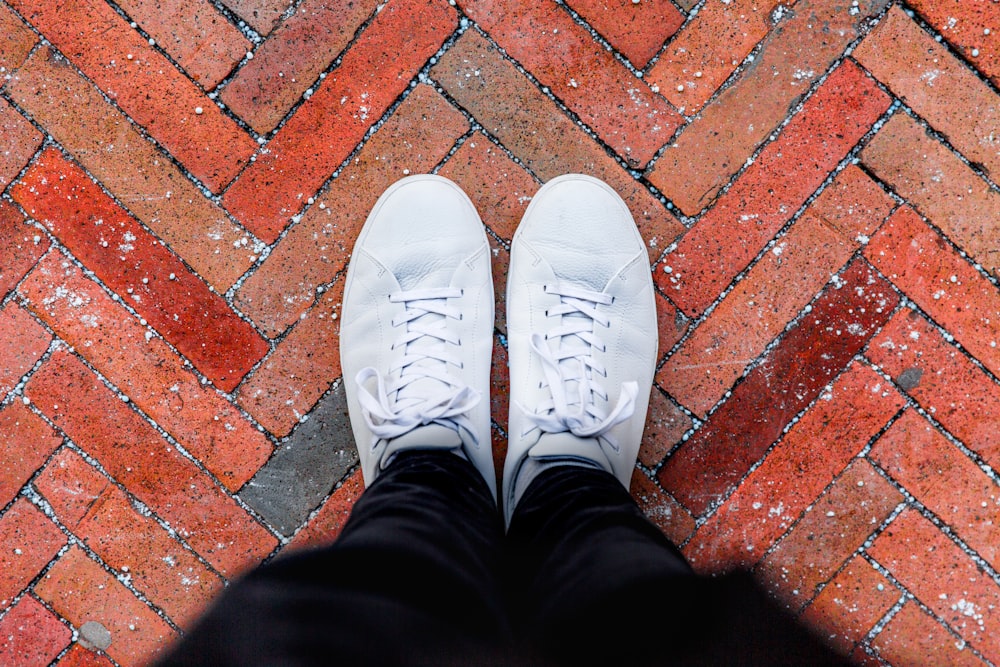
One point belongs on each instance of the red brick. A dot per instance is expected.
(291, 60)
(327, 127)
(21, 245)
(147, 86)
(262, 15)
(31, 635)
(709, 48)
(863, 657)
(672, 324)
(936, 85)
(146, 370)
(413, 140)
(25, 442)
(938, 184)
(545, 39)
(795, 472)
(112, 150)
(964, 25)
(914, 637)
(759, 307)
(832, 529)
(944, 578)
(100, 514)
(29, 540)
(16, 41)
(78, 656)
(666, 424)
(718, 143)
(809, 356)
(944, 480)
(81, 592)
(922, 264)
(302, 367)
(959, 395)
(159, 476)
(22, 343)
(636, 30)
(324, 528)
(20, 141)
(769, 193)
(534, 129)
(133, 263)
(668, 515)
(201, 41)
(850, 605)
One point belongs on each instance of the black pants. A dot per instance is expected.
(423, 574)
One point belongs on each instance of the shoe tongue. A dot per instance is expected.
(567, 445)
(432, 436)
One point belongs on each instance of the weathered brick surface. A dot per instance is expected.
(968, 26)
(133, 263)
(25, 442)
(311, 145)
(769, 193)
(675, 521)
(712, 148)
(936, 85)
(29, 540)
(20, 141)
(921, 263)
(16, 40)
(168, 483)
(637, 30)
(142, 179)
(22, 343)
(324, 528)
(939, 185)
(913, 637)
(78, 656)
(31, 635)
(21, 246)
(666, 424)
(286, 65)
(262, 15)
(144, 367)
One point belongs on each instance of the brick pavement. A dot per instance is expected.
(816, 180)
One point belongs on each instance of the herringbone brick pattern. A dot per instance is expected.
(816, 180)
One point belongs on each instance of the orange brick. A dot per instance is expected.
(78, 656)
(944, 480)
(413, 140)
(159, 476)
(769, 193)
(832, 529)
(530, 125)
(545, 39)
(936, 85)
(29, 540)
(23, 341)
(717, 144)
(25, 442)
(262, 15)
(267, 87)
(964, 25)
(146, 86)
(324, 528)
(709, 48)
(913, 637)
(917, 260)
(80, 591)
(327, 127)
(938, 184)
(775, 289)
(636, 30)
(140, 177)
(959, 395)
(146, 370)
(31, 635)
(133, 263)
(668, 515)
(944, 578)
(666, 424)
(20, 141)
(169, 575)
(302, 367)
(21, 246)
(16, 41)
(203, 42)
(849, 606)
(796, 471)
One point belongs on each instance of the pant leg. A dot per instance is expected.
(413, 579)
(598, 583)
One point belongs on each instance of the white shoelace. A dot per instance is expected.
(401, 401)
(572, 372)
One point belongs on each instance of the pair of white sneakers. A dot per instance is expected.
(416, 334)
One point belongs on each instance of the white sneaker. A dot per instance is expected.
(416, 333)
(582, 334)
